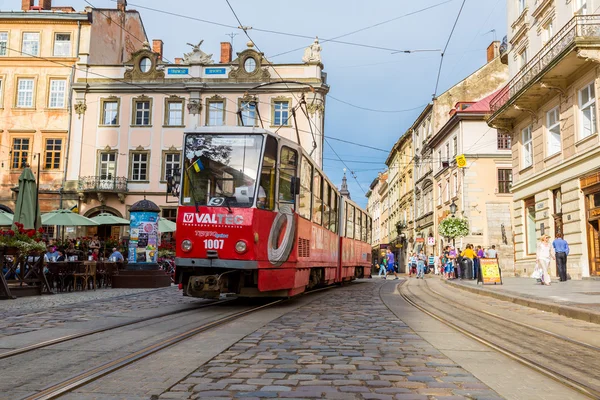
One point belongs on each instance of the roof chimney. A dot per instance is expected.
(226, 52)
(493, 50)
(121, 5)
(26, 5)
(178, 60)
(157, 47)
(46, 4)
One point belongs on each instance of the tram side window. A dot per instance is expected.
(364, 227)
(350, 221)
(266, 191)
(357, 224)
(369, 230)
(288, 163)
(317, 216)
(326, 204)
(305, 188)
(333, 221)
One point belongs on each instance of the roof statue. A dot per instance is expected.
(312, 54)
(197, 56)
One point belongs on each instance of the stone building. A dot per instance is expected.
(42, 48)
(128, 131)
(550, 109)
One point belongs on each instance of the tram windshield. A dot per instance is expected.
(221, 170)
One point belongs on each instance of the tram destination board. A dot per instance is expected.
(489, 272)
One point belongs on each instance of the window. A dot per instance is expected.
(110, 112)
(25, 88)
(349, 220)
(455, 146)
(305, 188)
(281, 113)
(31, 44)
(504, 180)
(288, 162)
(139, 166)
(1, 93)
(530, 231)
(448, 152)
(439, 188)
(58, 87)
(587, 106)
(20, 153)
(216, 113)
(547, 32)
(455, 186)
(522, 4)
(504, 140)
(553, 126)
(581, 7)
(333, 221)
(357, 224)
(3, 43)
(108, 165)
(142, 112)
(527, 147)
(174, 113)
(523, 58)
(317, 216)
(266, 193)
(447, 190)
(440, 158)
(327, 205)
(52, 154)
(171, 164)
(62, 45)
(169, 214)
(248, 110)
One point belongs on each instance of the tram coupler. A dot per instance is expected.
(206, 286)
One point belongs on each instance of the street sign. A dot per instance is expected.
(490, 272)
(461, 161)
(178, 71)
(420, 240)
(215, 71)
(430, 241)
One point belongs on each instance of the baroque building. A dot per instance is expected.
(128, 133)
(549, 108)
(41, 49)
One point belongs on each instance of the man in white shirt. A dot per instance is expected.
(491, 252)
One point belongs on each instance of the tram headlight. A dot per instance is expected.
(241, 247)
(186, 245)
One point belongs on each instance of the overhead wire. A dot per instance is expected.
(375, 110)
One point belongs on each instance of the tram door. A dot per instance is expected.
(288, 171)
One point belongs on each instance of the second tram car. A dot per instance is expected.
(258, 218)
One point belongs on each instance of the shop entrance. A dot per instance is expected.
(591, 189)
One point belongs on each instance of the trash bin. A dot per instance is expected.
(467, 268)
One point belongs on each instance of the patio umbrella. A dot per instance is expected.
(109, 219)
(27, 211)
(66, 218)
(6, 219)
(166, 226)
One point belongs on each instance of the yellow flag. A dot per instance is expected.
(75, 209)
(461, 161)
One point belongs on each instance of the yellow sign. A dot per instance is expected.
(490, 271)
(461, 161)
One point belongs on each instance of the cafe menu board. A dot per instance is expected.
(144, 237)
(490, 272)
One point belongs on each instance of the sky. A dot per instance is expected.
(366, 77)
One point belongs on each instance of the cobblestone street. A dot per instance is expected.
(348, 345)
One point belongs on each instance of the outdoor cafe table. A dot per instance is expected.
(65, 273)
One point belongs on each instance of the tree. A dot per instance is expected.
(453, 227)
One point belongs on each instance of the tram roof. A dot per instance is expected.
(229, 130)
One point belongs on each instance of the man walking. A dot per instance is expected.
(390, 263)
(561, 251)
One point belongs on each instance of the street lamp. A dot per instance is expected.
(453, 208)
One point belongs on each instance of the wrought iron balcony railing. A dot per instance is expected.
(102, 184)
(580, 27)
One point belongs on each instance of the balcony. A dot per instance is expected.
(547, 70)
(101, 185)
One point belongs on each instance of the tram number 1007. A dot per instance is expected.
(214, 244)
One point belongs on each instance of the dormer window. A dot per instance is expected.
(145, 65)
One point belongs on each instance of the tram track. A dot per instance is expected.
(62, 387)
(572, 363)
(67, 338)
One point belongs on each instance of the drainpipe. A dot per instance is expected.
(70, 105)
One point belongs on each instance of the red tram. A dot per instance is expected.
(258, 218)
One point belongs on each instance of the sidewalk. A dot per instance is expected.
(573, 299)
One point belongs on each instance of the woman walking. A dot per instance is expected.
(543, 257)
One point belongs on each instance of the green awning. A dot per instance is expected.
(6, 219)
(66, 218)
(109, 219)
(166, 226)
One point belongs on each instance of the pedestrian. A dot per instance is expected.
(412, 264)
(390, 263)
(421, 265)
(116, 256)
(561, 251)
(447, 262)
(491, 252)
(480, 255)
(458, 271)
(437, 265)
(543, 258)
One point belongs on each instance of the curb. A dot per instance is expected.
(566, 311)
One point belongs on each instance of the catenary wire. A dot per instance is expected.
(374, 110)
